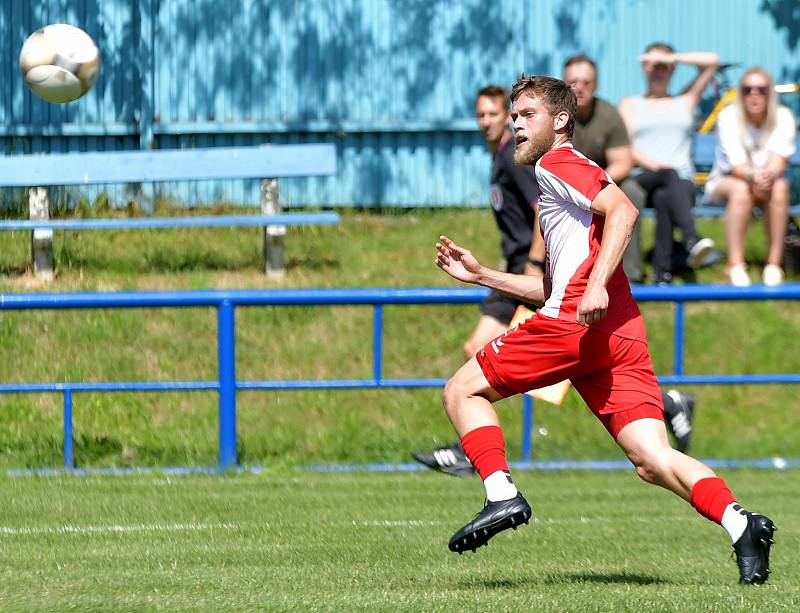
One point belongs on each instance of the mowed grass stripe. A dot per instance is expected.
(297, 541)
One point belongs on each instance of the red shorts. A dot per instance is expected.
(614, 375)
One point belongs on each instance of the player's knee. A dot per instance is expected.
(454, 392)
(649, 466)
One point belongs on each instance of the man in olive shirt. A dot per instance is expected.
(601, 136)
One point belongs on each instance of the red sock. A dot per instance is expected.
(710, 496)
(486, 449)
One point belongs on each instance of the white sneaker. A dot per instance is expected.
(738, 275)
(699, 252)
(772, 275)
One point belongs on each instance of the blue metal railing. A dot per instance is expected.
(227, 385)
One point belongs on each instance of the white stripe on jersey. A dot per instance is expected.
(565, 218)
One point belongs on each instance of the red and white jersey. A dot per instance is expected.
(568, 182)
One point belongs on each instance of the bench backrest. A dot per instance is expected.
(268, 161)
(704, 145)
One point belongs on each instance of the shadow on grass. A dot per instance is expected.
(313, 263)
(14, 270)
(565, 578)
(588, 577)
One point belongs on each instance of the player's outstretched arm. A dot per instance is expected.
(460, 264)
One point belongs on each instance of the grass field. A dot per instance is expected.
(286, 540)
(289, 540)
(366, 250)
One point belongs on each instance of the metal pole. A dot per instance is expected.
(377, 343)
(226, 336)
(527, 427)
(678, 357)
(69, 454)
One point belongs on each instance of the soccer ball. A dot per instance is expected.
(60, 63)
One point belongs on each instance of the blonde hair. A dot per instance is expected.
(772, 105)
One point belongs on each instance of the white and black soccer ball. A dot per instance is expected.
(60, 63)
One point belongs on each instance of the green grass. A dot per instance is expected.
(288, 541)
(367, 249)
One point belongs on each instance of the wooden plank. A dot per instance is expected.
(210, 221)
(168, 165)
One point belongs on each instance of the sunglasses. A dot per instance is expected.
(760, 90)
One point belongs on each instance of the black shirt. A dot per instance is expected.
(513, 193)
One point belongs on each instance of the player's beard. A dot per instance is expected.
(535, 148)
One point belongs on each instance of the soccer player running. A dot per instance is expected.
(589, 330)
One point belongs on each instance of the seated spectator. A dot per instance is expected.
(661, 127)
(756, 138)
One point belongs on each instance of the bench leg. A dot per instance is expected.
(274, 262)
(41, 239)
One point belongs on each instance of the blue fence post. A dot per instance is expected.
(226, 346)
(678, 357)
(527, 427)
(377, 343)
(69, 453)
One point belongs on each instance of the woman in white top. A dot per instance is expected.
(755, 139)
(661, 127)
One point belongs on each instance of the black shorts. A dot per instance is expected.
(499, 306)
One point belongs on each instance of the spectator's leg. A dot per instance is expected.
(682, 201)
(776, 218)
(653, 183)
(632, 258)
(662, 251)
(738, 212)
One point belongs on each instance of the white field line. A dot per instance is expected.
(113, 529)
(367, 523)
(597, 519)
(399, 523)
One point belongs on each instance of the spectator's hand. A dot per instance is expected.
(456, 261)
(656, 166)
(759, 193)
(593, 305)
(658, 56)
(763, 180)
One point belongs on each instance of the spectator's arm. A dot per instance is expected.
(781, 145)
(620, 162)
(742, 171)
(707, 63)
(777, 164)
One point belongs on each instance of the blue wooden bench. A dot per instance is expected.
(265, 162)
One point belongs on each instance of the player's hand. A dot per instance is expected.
(456, 261)
(593, 305)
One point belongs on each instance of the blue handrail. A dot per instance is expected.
(227, 385)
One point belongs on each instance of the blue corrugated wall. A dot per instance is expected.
(391, 82)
